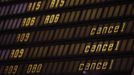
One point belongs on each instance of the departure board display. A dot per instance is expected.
(66, 37)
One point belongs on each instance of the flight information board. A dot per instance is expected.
(66, 37)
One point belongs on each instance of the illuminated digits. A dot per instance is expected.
(51, 19)
(29, 6)
(38, 5)
(30, 21)
(29, 68)
(34, 6)
(11, 69)
(62, 3)
(34, 68)
(57, 3)
(23, 37)
(18, 53)
(24, 22)
(52, 3)
(56, 18)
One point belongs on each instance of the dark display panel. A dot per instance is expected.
(66, 37)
